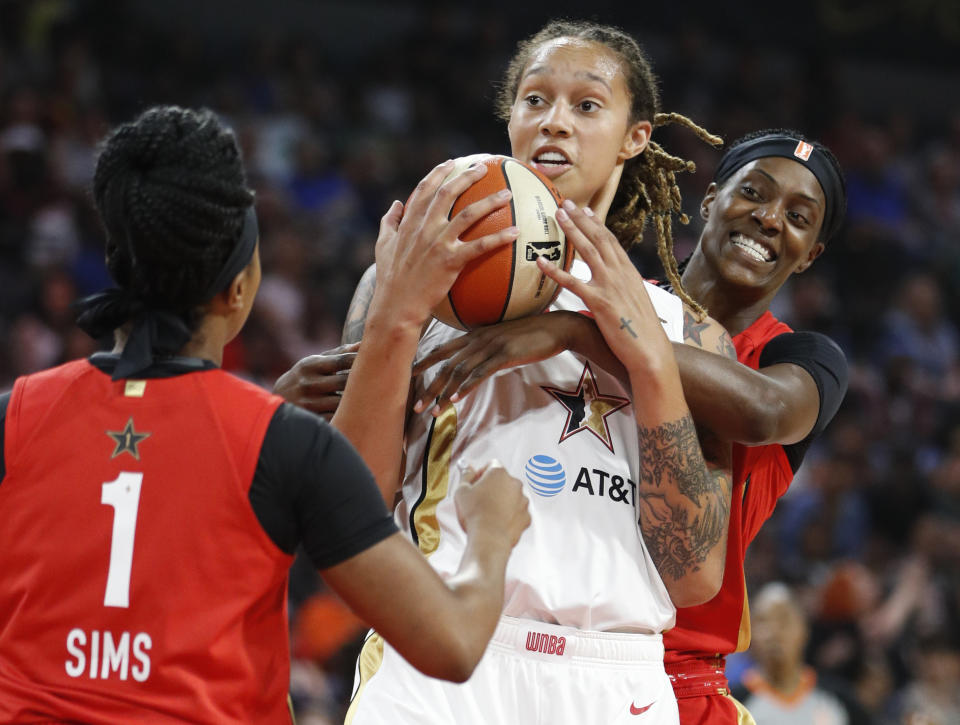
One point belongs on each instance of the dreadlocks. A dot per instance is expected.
(648, 186)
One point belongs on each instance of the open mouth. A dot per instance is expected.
(551, 163)
(757, 250)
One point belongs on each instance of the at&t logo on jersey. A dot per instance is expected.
(545, 475)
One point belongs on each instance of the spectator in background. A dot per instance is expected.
(828, 518)
(65, 73)
(917, 330)
(783, 689)
(933, 698)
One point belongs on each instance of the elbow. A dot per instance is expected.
(455, 649)
(761, 420)
(696, 588)
(692, 596)
(461, 671)
(456, 661)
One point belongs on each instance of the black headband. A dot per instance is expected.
(803, 153)
(157, 331)
(239, 258)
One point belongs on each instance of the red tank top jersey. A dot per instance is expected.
(137, 583)
(761, 474)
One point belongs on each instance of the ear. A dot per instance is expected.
(814, 252)
(635, 140)
(708, 200)
(234, 296)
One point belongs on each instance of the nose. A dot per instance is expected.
(769, 217)
(556, 121)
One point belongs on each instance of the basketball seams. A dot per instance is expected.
(500, 285)
(453, 309)
(531, 290)
(513, 257)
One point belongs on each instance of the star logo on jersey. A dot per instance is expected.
(587, 408)
(127, 440)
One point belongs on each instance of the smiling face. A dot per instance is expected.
(571, 120)
(763, 223)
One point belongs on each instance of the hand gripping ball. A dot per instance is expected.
(506, 284)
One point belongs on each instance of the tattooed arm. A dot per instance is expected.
(359, 306)
(685, 485)
(683, 502)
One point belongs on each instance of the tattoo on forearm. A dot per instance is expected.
(680, 531)
(625, 325)
(359, 306)
(692, 328)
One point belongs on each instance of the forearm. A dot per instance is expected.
(714, 385)
(478, 588)
(583, 337)
(462, 613)
(779, 403)
(372, 413)
(683, 501)
(357, 311)
(440, 628)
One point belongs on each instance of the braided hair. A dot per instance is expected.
(172, 193)
(648, 186)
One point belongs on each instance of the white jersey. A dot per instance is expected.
(566, 428)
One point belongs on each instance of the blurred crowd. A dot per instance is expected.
(862, 554)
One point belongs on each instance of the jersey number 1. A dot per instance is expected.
(124, 495)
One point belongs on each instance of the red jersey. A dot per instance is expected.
(761, 474)
(136, 583)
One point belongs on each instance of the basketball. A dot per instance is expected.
(506, 283)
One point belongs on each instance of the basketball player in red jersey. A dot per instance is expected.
(776, 199)
(151, 503)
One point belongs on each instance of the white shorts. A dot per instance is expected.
(531, 674)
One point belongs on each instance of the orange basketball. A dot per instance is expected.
(506, 283)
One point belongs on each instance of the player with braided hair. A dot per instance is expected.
(776, 200)
(587, 596)
(152, 503)
(647, 186)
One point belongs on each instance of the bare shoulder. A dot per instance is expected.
(359, 306)
(707, 334)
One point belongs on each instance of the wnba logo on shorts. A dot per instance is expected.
(545, 475)
(548, 644)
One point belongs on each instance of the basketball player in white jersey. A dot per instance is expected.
(588, 591)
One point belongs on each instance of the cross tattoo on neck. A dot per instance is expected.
(625, 325)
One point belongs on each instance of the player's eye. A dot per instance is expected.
(533, 100)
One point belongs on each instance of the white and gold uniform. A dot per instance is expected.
(584, 604)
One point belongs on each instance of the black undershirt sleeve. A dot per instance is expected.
(4, 402)
(312, 487)
(824, 360)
